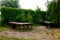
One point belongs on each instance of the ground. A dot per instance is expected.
(38, 33)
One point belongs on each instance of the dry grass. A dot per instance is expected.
(38, 33)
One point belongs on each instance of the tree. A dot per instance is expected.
(51, 7)
(39, 15)
(54, 12)
(10, 3)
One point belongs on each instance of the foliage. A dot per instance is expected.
(14, 14)
(39, 15)
(0, 19)
(21, 15)
(51, 7)
(53, 12)
(10, 3)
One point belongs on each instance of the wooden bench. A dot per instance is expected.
(24, 25)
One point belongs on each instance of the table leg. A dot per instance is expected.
(48, 25)
(31, 27)
(19, 27)
(23, 27)
(27, 27)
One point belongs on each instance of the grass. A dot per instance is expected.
(58, 34)
(3, 28)
(13, 38)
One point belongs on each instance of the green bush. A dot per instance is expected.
(21, 15)
(14, 14)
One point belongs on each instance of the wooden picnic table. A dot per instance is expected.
(46, 23)
(19, 24)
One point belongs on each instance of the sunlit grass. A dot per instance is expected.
(58, 34)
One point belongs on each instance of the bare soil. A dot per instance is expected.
(39, 33)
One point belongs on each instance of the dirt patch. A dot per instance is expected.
(40, 33)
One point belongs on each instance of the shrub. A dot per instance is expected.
(21, 15)
(14, 14)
